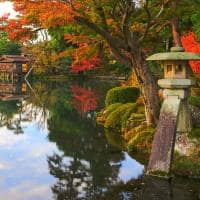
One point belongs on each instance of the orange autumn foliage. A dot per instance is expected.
(38, 15)
(45, 13)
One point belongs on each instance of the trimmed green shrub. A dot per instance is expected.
(195, 101)
(113, 107)
(126, 115)
(119, 117)
(125, 94)
(137, 116)
(143, 138)
(102, 116)
(135, 120)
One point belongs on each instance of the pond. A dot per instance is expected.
(52, 148)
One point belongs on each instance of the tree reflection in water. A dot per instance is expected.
(86, 167)
(89, 168)
(83, 100)
(11, 95)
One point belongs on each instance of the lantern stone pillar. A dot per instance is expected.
(175, 113)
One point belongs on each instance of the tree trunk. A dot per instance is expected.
(175, 32)
(175, 27)
(147, 83)
(149, 89)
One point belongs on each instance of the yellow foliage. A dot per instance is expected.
(101, 119)
(110, 21)
(140, 101)
(132, 81)
(140, 137)
(139, 27)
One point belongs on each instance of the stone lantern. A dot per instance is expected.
(175, 113)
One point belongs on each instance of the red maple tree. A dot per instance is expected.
(190, 44)
(87, 64)
(85, 54)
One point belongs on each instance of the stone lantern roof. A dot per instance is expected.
(176, 53)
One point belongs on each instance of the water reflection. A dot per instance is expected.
(92, 166)
(24, 170)
(13, 90)
(83, 100)
(63, 154)
(11, 96)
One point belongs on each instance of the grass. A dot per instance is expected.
(186, 165)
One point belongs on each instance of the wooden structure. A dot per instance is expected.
(13, 91)
(13, 66)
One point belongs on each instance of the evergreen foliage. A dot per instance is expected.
(195, 101)
(112, 107)
(196, 22)
(8, 47)
(123, 94)
(119, 117)
(142, 138)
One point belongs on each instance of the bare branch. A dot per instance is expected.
(115, 42)
(121, 57)
(152, 21)
(146, 8)
(167, 23)
(101, 13)
(128, 10)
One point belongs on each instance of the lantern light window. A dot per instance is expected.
(169, 68)
(178, 68)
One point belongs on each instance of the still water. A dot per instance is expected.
(52, 148)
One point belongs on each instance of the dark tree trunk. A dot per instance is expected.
(149, 89)
(175, 32)
(147, 82)
(175, 27)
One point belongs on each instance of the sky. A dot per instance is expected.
(7, 7)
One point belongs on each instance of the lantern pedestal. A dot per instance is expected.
(184, 123)
(180, 88)
(174, 117)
